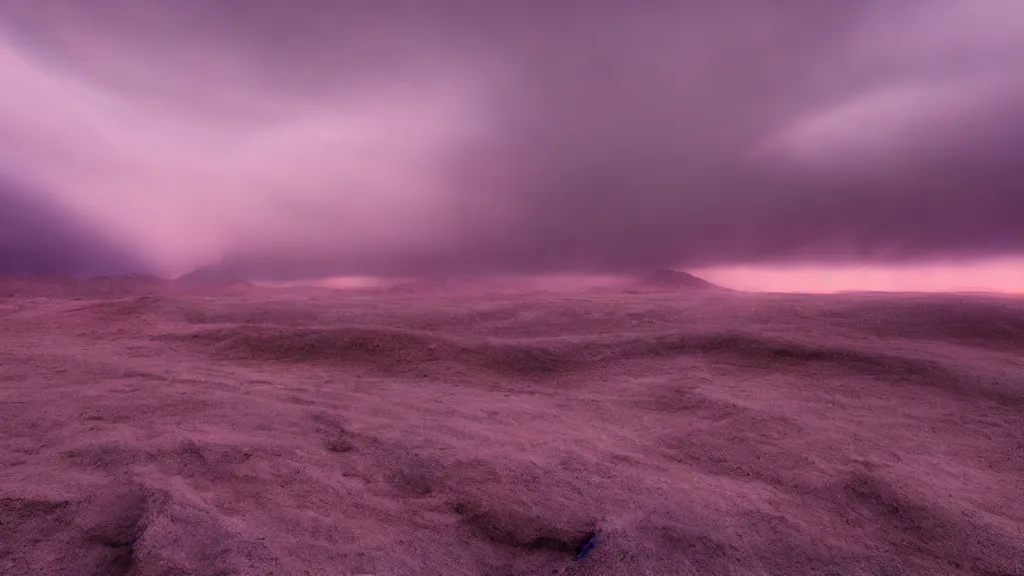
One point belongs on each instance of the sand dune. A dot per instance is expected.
(664, 279)
(212, 276)
(153, 429)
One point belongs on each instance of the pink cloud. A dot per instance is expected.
(314, 138)
(988, 275)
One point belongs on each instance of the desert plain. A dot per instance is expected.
(155, 429)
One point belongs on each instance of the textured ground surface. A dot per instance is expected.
(152, 432)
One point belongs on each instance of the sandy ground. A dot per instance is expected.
(148, 431)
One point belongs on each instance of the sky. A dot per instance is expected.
(768, 141)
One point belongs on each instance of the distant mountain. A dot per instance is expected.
(214, 275)
(673, 280)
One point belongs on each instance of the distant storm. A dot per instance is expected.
(295, 139)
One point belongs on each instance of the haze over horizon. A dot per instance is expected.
(798, 145)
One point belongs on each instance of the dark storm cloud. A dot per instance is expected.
(37, 237)
(312, 138)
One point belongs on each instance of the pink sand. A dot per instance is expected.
(153, 431)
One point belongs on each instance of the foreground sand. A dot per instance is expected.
(264, 431)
